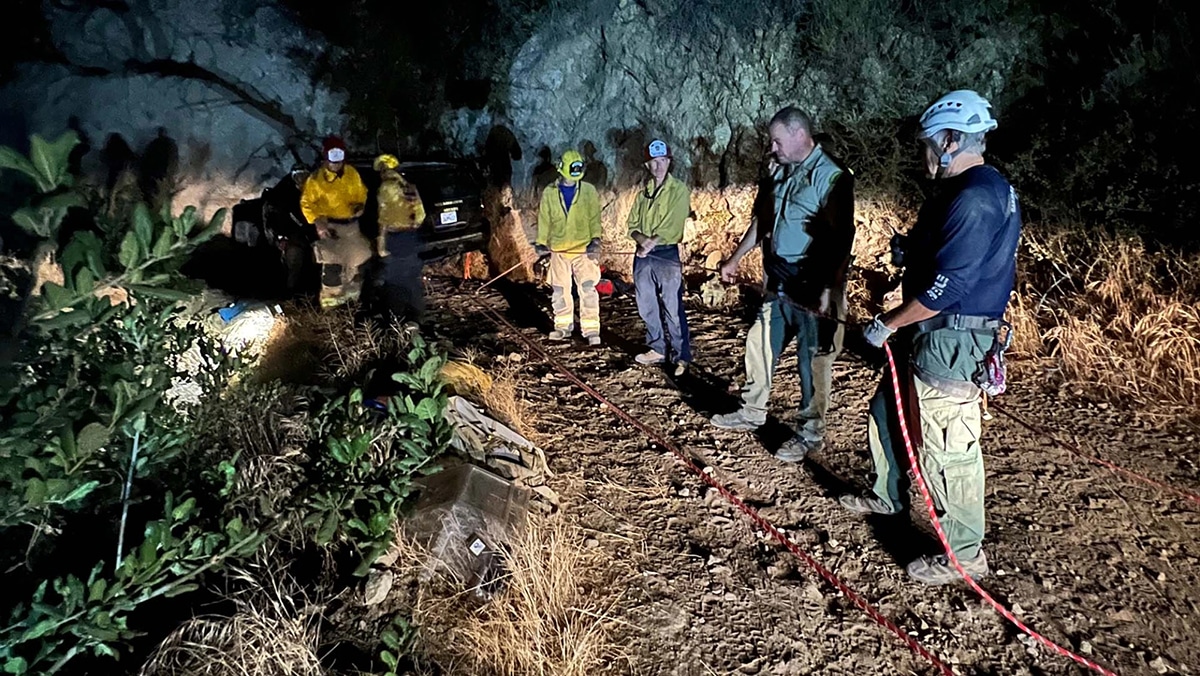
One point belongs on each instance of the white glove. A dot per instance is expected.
(877, 333)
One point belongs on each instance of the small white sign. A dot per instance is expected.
(449, 217)
(477, 546)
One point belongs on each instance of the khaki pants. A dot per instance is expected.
(342, 256)
(949, 452)
(585, 272)
(817, 347)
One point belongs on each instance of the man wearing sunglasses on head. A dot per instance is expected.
(568, 231)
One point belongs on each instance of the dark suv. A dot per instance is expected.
(454, 219)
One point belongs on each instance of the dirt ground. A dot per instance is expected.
(1106, 567)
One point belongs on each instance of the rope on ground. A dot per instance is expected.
(1076, 450)
(1036, 429)
(828, 575)
(937, 526)
(749, 511)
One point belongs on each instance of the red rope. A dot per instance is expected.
(1072, 448)
(749, 511)
(937, 525)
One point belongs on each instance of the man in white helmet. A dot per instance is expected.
(959, 265)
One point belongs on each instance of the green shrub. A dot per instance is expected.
(85, 433)
(363, 470)
(111, 496)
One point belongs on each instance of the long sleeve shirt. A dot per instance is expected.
(661, 213)
(329, 195)
(400, 206)
(569, 230)
(961, 256)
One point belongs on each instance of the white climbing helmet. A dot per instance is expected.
(962, 110)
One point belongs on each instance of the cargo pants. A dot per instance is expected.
(579, 268)
(342, 255)
(818, 344)
(947, 426)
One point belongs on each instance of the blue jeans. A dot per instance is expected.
(658, 279)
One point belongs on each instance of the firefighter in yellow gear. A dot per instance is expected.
(401, 214)
(332, 200)
(568, 231)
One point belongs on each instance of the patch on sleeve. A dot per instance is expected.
(939, 287)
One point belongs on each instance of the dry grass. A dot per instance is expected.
(548, 619)
(498, 391)
(331, 344)
(1121, 321)
(505, 401)
(275, 632)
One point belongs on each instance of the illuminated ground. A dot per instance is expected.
(1105, 567)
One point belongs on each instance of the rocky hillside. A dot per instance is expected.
(705, 76)
(212, 96)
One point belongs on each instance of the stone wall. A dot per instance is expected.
(208, 99)
(606, 77)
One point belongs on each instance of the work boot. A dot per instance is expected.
(650, 357)
(560, 334)
(937, 570)
(794, 449)
(866, 504)
(593, 340)
(681, 368)
(738, 420)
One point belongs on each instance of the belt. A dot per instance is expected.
(960, 323)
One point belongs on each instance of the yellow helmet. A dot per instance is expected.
(571, 165)
(386, 162)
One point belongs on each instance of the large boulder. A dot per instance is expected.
(607, 77)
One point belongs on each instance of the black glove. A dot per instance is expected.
(898, 244)
(593, 247)
(541, 250)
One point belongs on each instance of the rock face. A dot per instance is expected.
(208, 99)
(607, 77)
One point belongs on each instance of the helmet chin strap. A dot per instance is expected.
(945, 157)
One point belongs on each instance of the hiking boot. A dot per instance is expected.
(681, 368)
(593, 340)
(794, 449)
(560, 334)
(937, 570)
(650, 357)
(866, 504)
(738, 420)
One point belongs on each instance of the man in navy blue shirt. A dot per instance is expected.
(959, 264)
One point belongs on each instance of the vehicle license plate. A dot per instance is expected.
(450, 217)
